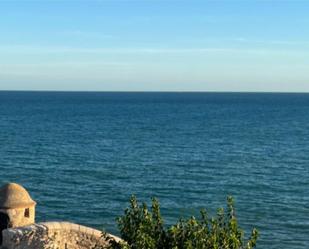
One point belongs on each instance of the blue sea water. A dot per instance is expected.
(82, 155)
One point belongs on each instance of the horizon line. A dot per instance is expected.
(153, 91)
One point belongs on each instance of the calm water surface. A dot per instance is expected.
(81, 156)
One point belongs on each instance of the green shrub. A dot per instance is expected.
(142, 228)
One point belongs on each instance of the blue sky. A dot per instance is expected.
(154, 45)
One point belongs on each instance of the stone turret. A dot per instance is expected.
(16, 207)
(19, 231)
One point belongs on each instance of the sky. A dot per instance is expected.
(155, 45)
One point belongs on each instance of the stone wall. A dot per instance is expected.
(53, 235)
(17, 216)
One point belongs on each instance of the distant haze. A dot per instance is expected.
(154, 45)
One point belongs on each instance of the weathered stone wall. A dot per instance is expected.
(53, 235)
(17, 216)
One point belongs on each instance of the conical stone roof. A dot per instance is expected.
(13, 195)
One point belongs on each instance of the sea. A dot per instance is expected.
(81, 155)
